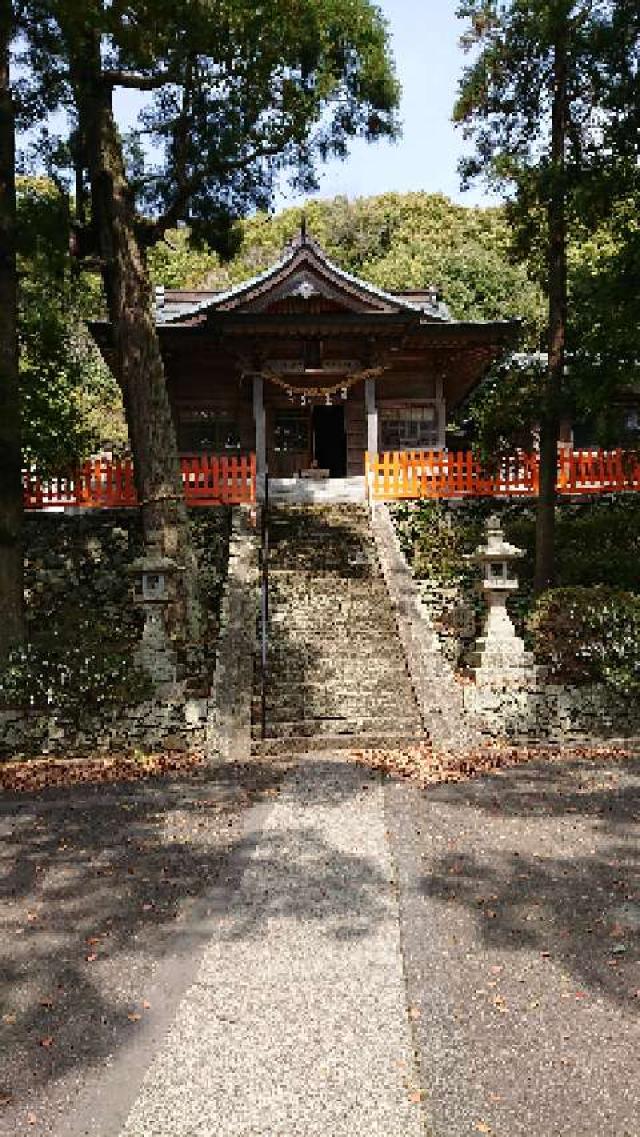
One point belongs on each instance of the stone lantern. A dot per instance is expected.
(154, 587)
(499, 655)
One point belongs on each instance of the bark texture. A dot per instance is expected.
(137, 360)
(550, 422)
(11, 563)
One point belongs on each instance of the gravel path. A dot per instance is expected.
(297, 1022)
(520, 922)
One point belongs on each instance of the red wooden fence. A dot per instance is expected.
(450, 474)
(207, 479)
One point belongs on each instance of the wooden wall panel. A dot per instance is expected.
(356, 428)
(405, 385)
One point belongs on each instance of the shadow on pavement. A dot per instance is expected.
(546, 859)
(93, 884)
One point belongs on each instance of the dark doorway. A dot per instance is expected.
(330, 440)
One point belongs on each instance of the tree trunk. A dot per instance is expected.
(137, 358)
(11, 562)
(557, 254)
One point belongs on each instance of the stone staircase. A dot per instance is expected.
(336, 672)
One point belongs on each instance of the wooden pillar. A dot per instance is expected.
(441, 411)
(372, 414)
(260, 421)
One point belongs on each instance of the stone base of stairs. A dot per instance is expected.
(312, 491)
(261, 748)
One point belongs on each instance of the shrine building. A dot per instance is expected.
(310, 368)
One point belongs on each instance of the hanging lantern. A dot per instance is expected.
(303, 400)
(344, 392)
(327, 399)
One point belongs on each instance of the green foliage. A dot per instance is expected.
(437, 539)
(83, 626)
(74, 681)
(504, 410)
(597, 546)
(589, 186)
(239, 95)
(589, 635)
(70, 401)
(394, 240)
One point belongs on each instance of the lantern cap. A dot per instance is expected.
(496, 547)
(154, 561)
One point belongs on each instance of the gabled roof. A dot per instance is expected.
(303, 274)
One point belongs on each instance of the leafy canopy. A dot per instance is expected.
(238, 93)
(70, 401)
(394, 240)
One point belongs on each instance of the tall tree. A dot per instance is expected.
(548, 103)
(11, 577)
(238, 94)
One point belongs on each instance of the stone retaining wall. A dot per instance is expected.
(552, 712)
(461, 714)
(166, 722)
(83, 560)
(229, 734)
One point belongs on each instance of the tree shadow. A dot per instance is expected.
(564, 885)
(307, 542)
(299, 538)
(95, 887)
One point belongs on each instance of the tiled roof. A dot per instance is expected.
(304, 259)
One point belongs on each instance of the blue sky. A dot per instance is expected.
(425, 35)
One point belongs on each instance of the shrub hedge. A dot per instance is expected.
(588, 628)
(589, 635)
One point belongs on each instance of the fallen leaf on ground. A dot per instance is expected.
(426, 766)
(46, 1042)
(31, 775)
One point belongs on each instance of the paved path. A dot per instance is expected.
(520, 910)
(335, 937)
(297, 1022)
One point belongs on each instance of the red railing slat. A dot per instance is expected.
(393, 475)
(208, 479)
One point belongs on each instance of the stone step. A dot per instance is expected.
(323, 674)
(336, 668)
(335, 726)
(341, 703)
(327, 742)
(286, 699)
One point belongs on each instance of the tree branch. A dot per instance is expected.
(135, 80)
(153, 231)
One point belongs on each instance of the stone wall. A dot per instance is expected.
(76, 565)
(229, 735)
(176, 722)
(527, 709)
(552, 712)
